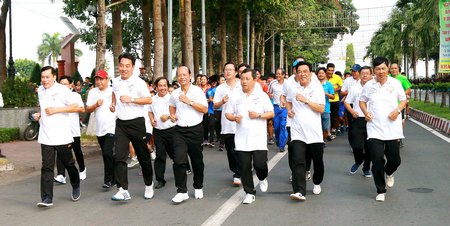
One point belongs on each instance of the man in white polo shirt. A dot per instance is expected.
(163, 129)
(55, 137)
(99, 100)
(305, 103)
(130, 94)
(386, 99)
(187, 106)
(224, 92)
(250, 110)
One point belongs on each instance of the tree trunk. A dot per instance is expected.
(252, 45)
(147, 61)
(159, 40)
(183, 33)
(188, 29)
(427, 98)
(117, 37)
(272, 53)
(240, 52)
(263, 54)
(443, 99)
(209, 48)
(101, 37)
(3, 15)
(196, 45)
(223, 36)
(414, 61)
(166, 37)
(426, 63)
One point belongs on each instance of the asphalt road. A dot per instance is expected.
(420, 196)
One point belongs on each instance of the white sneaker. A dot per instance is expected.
(249, 198)
(297, 196)
(198, 193)
(317, 189)
(83, 174)
(263, 185)
(121, 195)
(390, 181)
(133, 162)
(237, 181)
(60, 179)
(308, 175)
(148, 194)
(380, 197)
(180, 197)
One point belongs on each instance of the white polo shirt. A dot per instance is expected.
(55, 129)
(75, 117)
(353, 96)
(148, 124)
(228, 127)
(348, 82)
(105, 120)
(306, 124)
(287, 86)
(159, 107)
(276, 89)
(134, 87)
(187, 116)
(251, 134)
(382, 100)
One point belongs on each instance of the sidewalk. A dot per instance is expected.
(26, 157)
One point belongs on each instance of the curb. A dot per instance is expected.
(435, 122)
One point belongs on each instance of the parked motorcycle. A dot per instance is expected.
(32, 130)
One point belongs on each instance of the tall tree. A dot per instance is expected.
(100, 60)
(50, 45)
(350, 57)
(159, 40)
(146, 59)
(117, 37)
(189, 61)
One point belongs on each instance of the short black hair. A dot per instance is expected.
(234, 65)
(243, 65)
(321, 69)
(49, 68)
(159, 79)
(330, 65)
(399, 68)
(380, 60)
(250, 70)
(69, 79)
(127, 56)
(365, 67)
(303, 63)
(271, 75)
(282, 70)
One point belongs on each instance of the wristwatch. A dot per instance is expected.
(132, 100)
(398, 110)
(307, 101)
(259, 115)
(191, 103)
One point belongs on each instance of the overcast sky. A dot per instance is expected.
(32, 18)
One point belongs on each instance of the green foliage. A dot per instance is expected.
(36, 75)
(9, 134)
(24, 67)
(76, 76)
(51, 44)
(18, 93)
(430, 108)
(350, 59)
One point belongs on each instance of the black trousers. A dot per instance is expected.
(164, 147)
(205, 127)
(218, 125)
(378, 149)
(131, 131)
(211, 127)
(106, 143)
(259, 164)
(334, 116)
(188, 141)
(289, 141)
(299, 167)
(359, 142)
(64, 153)
(232, 155)
(350, 120)
(76, 146)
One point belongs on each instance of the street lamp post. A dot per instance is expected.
(11, 69)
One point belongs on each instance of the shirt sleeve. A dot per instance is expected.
(217, 95)
(401, 93)
(365, 94)
(172, 100)
(91, 99)
(201, 98)
(267, 104)
(142, 89)
(289, 93)
(345, 86)
(330, 88)
(349, 98)
(339, 82)
(231, 106)
(320, 96)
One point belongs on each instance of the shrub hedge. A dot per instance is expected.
(9, 134)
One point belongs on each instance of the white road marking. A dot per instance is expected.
(430, 130)
(235, 200)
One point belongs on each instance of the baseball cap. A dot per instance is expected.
(102, 74)
(297, 61)
(356, 67)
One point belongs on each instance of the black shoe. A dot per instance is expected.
(76, 193)
(160, 184)
(47, 202)
(108, 185)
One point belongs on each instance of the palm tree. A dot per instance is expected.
(51, 45)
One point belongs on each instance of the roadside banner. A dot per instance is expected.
(444, 46)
